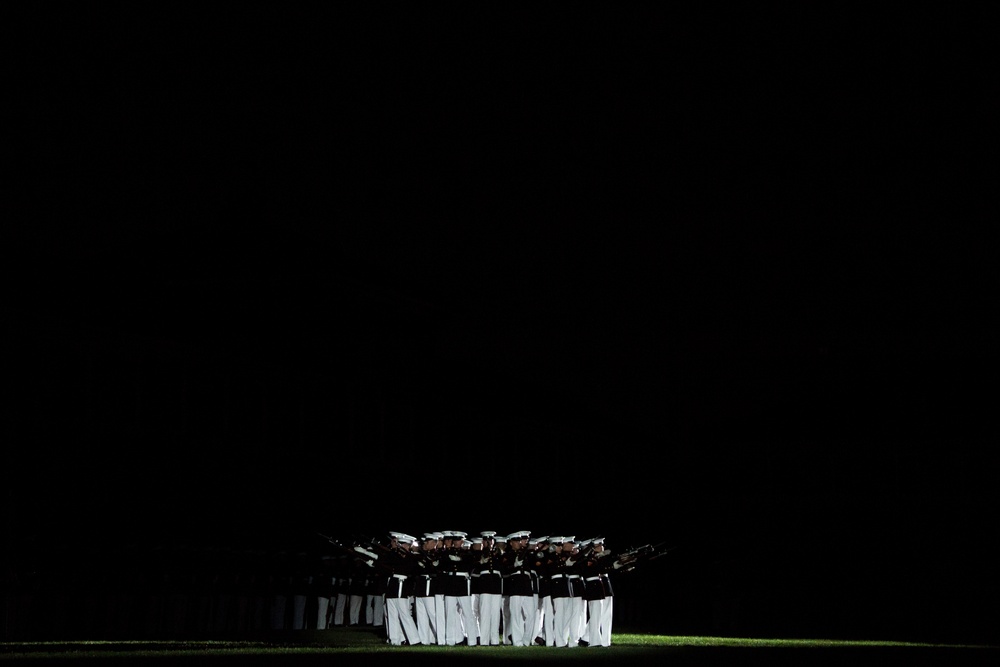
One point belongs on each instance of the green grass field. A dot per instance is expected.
(349, 647)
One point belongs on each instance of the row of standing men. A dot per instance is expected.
(447, 589)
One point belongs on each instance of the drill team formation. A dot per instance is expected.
(446, 589)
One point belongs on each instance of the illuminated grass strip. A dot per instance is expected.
(99, 649)
(665, 640)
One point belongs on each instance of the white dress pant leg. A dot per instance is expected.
(441, 622)
(409, 623)
(489, 619)
(453, 631)
(354, 609)
(339, 609)
(322, 609)
(393, 614)
(536, 630)
(607, 614)
(298, 612)
(522, 620)
(548, 629)
(505, 612)
(592, 634)
(470, 624)
(578, 611)
(561, 622)
(425, 613)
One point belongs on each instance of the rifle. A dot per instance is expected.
(646, 553)
(362, 540)
(335, 542)
(356, 550)
(586, 551)
(370, 546)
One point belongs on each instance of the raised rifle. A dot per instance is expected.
(631, 558)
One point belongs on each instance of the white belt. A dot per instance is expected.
(557, 576)
(400, 576)
(573, 576)
(593, 578)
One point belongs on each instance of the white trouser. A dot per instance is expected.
(459, 621)
(607, 614)
(354, 609)
(339, 607)
(399, 619)
(593, 634)
(322, 609)
(489, 618)
(425, 609)
(522, 619)
(562, 608)
(378, 609)
(505, 612)
(298, 612)
(536, 630)
(548, 628)
(578, 610)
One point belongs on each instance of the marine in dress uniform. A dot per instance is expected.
(567, 595)
(324, 591)
(489, 579)
(456, 568)
(378, 583)
(342, 589)
(546, 564)
(577, 591)
(605, 565)
(519, 590)
(356, 593)
(537, 547)
(425, 587)
(501, 545)
(399, 565)
(476, 547)
(594, 594)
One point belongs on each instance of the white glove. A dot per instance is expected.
(518, 562)
(570, 561)
(454, 557)
(364, 551)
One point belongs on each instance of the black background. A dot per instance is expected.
(720, 280)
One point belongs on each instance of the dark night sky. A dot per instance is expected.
(718, 279)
